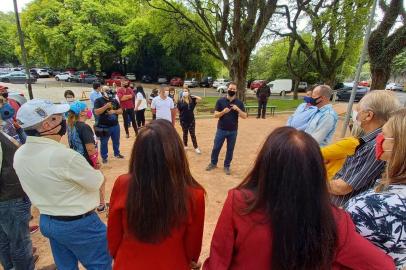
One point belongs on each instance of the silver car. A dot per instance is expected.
(16, 77)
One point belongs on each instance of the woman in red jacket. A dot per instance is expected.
(280, 216)
(157, 209)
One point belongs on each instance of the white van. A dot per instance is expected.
(280, 87)
(220, 82)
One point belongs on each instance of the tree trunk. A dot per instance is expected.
(238, 74)
(296, 89)
(380, 76)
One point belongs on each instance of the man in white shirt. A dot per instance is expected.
(63, 186)
(163, 106)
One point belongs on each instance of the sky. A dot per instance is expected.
(7, 5)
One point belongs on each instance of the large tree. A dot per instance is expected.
(387, 41)
(337, 29)
(7, 39)
(232, 29)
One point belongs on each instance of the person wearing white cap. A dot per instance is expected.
(63, 186)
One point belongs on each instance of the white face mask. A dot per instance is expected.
(70, 99)
(185, 94)
(355, 120)
(166, 93)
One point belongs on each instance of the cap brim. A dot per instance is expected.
(60, 108)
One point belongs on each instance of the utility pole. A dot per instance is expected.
(359, 69)
(23, 51)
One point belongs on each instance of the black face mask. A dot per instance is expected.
(231, 93)
(314, 102)
(61, 132)
(5, 95)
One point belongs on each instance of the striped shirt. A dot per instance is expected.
(360, 170)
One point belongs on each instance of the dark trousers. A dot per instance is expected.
(129, 114)
(221, 136)
(114, 133)
(262, 108)
(140, 117)
(189, 128)
(15, 239)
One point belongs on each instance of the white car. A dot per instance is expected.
(130, 76)
(394, 87)
(42, 73)
(280, 86)
(220, 82)
(63, 76)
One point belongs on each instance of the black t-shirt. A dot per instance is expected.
(86, 136)
(105, 119)
(186, 110)
(228, 121)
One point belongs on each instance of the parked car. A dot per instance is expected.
(63, 76)
(90, 79)
(116, 80)
(16, 96)
(42, 73)
(16, 77)
(344, 93)
(281, 86)
(34, 73)
(206, 82)
(220, 82)
(146, 79)
(257, 84)
(394, 87)
(192, 82)
(176, 81)
(302, 86)
(130, 76)
(364, 83)
(162, 79)
(223, 88)
(75, 77)
(116, 74)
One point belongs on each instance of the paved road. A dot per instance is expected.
(49, 88)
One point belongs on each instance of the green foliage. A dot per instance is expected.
(7, 38)
(108, 35)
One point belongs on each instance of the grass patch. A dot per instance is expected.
(208, 103)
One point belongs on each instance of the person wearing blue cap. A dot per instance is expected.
(81, 139)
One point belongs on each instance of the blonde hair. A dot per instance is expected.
(105, 88)
(382, 103)
(396, 167)
(188, 98)
(72, 119)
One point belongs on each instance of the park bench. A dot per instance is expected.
(269, 109)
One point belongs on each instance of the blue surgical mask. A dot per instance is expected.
(307, 99)
(6, 111)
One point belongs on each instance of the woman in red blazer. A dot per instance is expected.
(280, 216)
(157, 209)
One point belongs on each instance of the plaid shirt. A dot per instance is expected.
(361, 170)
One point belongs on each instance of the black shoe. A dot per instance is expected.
(104, 160)
(211, 167)
(257, 117)
(120, 156)
(263, 117)
(227, 170)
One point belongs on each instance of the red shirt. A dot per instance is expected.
(129, 103)
(14, 105)
(175, 252)
(244, 242)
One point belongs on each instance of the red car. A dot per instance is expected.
(116, 74)
(257, 84)
(176, 81)
(116, 80)
(364, 83)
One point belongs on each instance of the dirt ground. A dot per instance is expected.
(251, 134)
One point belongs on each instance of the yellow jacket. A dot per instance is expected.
(335, 154)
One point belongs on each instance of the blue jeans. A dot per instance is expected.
(114, 133)
(221, 136)
(83, 240)
(15, 241)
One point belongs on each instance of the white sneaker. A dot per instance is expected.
(197, 150)
(186, 148)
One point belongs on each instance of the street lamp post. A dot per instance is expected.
(359, 69)
(23, 51)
